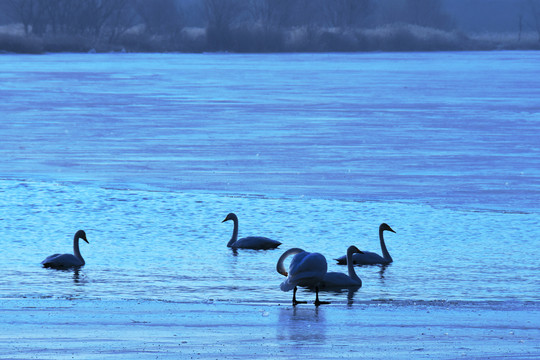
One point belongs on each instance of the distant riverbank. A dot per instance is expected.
(391, 38)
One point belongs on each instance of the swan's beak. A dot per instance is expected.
(86, 241)
(225, 220)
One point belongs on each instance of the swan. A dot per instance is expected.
(250, 242)
(338, 280)
(66, 261)
(306, 269)
(370, 258)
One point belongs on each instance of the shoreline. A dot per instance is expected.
(57, 329)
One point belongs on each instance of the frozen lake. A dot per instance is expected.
(149, 152)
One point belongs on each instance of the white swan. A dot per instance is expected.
(306, 269)
(250, 242)
(338, 280)
(66, 261)
(370, 258)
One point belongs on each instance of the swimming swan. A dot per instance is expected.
(306, 269)
(66, 261)
(338, 280)
(370, 258)
(250, 242)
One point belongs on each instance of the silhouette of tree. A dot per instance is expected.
(534, 10)
(81, 17)
(347, 13)
(270, 14)
(221, 15)
(427, 13)
(29, 13)
(161, 17)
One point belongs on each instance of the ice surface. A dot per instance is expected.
(148, 153)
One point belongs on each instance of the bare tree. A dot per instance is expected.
(63, 16)
(221, 15)
(81, 17)
(347, 13)
(427, 13)
(161, 17)
(534, 7)
(270, 14)
(120, 17)
(307, 13)
(29, 13)
(96, 15)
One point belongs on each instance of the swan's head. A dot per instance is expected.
(231, 216)
(354, 249)
(385, 226)
(81, 235)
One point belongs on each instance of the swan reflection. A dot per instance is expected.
(301, 324)
(76, 277)
(382, 270)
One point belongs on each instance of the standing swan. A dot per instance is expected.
(66, 261)
(337, 280)
(250, 242)
(306, 269)
(370, 258)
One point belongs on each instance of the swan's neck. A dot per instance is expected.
(234, 233)
(350, 266)
(385, 252)
(76, 250)
(280, 267)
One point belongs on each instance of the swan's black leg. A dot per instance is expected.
(317, 301)
(294, 301)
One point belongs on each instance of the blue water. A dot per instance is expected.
(148, 153)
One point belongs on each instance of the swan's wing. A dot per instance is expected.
(307, 269)
(287, 285)
(50, 258)
(62, 261)
(256, 243)
(368, 258)
(337, 280)
(309, 278)
(297, 263)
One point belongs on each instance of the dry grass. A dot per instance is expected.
(509, 41)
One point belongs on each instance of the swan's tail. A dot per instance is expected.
(287, 285)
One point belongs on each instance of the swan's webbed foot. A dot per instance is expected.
(317, 301)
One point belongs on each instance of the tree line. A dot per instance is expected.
(232, 25)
